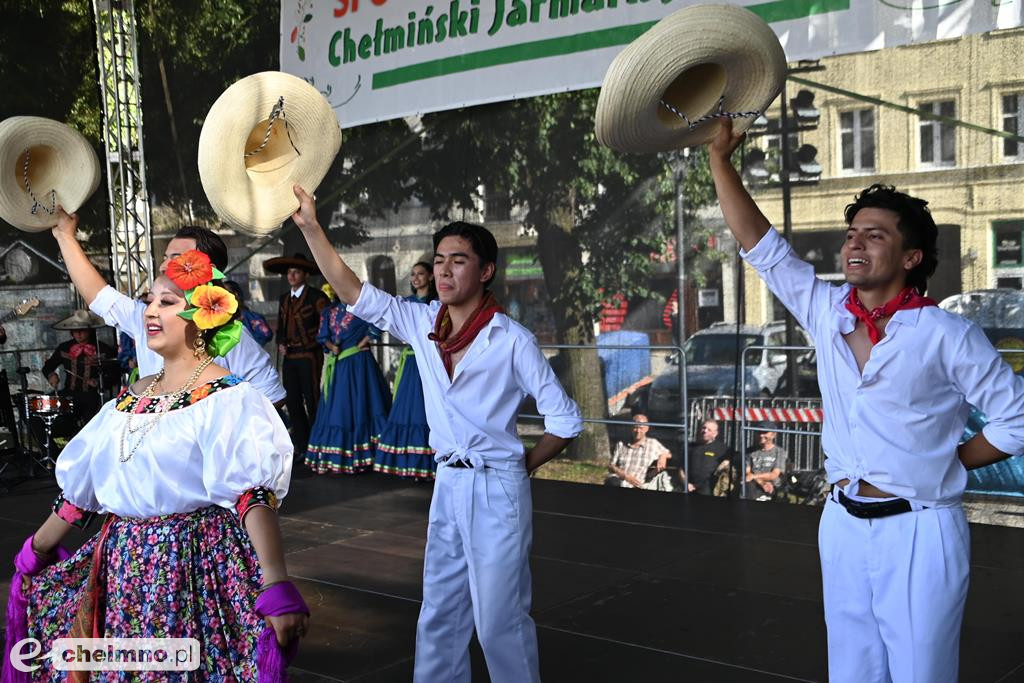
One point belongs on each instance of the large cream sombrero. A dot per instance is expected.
(80, 320)
(691, 59)
(248, 175)
(62, 169)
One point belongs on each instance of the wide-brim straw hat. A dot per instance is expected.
(248, 164)
(701, 60)
(281, 264)
(80, 320)
(62, 168)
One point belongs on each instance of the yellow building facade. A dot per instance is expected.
(972, 180)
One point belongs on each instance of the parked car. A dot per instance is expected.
(713, 361)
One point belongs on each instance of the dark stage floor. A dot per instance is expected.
(628, 585)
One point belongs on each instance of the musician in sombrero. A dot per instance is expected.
(82, 358)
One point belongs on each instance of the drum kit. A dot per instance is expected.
(33, 420)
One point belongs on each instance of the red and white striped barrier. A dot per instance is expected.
(773, 414)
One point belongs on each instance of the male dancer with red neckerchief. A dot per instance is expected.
(897, 374)
(476, 365)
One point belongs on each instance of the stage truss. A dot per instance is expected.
(131, 246)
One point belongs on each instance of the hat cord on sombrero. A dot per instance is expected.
(721, 113)
(275, 113)
(36, 204)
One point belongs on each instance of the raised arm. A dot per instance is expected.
(87, 279)
(334, 270)
(745, 220)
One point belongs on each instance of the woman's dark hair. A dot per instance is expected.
(916, 226)
(235, 289)
(208, 242)
(480, 239)
(431, 287)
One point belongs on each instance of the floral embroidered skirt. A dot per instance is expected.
(350, 414)
(190, 575)
(403, 445)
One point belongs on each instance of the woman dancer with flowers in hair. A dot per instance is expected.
(354, 400)
(403, 446)
(189, 466)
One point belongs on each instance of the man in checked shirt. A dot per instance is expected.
(898, 376)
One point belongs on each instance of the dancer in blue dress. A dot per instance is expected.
(402, 446)
(354, 399)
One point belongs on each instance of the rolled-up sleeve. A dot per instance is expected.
(535, 376)
(791, 279)
(989, 383)
(121, 311)
(391, 313)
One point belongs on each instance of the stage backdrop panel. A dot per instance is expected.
(382, 59)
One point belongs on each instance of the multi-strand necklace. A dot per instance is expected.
(130, 430)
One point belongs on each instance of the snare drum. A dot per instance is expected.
(39, 404)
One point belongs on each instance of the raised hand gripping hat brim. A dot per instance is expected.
(62, 169)
(248, 175)
(693, 59)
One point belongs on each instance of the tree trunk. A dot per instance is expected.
(561, 259)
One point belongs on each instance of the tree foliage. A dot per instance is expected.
(599, 215)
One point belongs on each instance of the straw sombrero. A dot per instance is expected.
(80, 320)
(252, 149)
(701, 61)
(62, 168)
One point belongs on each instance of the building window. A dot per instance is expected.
(857, 140)
(938, 141)
(1007, 236)
(1013, 122)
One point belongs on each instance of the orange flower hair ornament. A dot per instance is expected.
(212, 306)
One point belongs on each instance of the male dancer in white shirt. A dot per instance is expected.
(897, 374)
(477, 365)
(247, 359)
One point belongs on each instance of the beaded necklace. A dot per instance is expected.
(166, 402)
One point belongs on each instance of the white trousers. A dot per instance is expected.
(476, 573)
(894, 591)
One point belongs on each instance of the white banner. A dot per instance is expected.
(382, 59)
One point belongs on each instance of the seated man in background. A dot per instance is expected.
(765, 465)
(708, 459)
(631, 462)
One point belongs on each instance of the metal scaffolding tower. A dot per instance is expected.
(131, 246)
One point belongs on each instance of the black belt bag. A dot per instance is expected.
(884, 508)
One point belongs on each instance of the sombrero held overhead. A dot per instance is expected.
(43, 163)
(664, 89)
(264, 134)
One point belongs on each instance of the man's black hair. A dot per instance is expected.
(916, 226)
(208, 242)
(480, 239)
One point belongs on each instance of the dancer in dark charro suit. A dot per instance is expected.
(298, 321)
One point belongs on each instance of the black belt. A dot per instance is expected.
(884, 508)
(459, 463)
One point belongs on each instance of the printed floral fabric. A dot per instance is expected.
(255, 497)
(191, 575)
(127, 402)
(72, 514)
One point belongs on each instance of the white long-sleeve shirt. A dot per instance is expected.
(247, 359)
(897, 425)
(472, 416)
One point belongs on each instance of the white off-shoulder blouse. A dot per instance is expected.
(223, 440)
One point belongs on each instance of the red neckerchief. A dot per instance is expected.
(84, 348)
(448, 343)
(907, 298)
